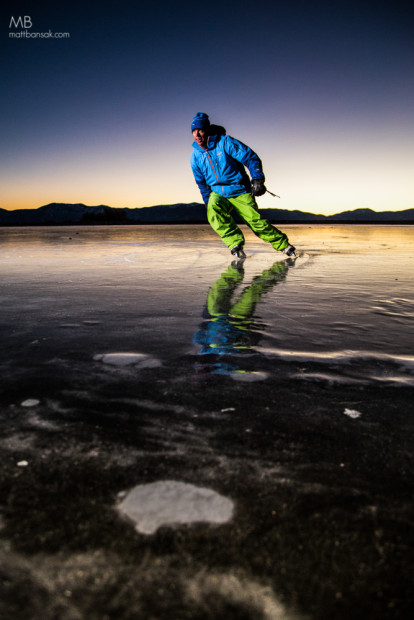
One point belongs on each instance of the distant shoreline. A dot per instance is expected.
(63, 214)
(175, 223)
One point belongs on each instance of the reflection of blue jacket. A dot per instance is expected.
(220, 167)
(224, 335)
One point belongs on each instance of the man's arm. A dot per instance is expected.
(205, 189)
(245, 155)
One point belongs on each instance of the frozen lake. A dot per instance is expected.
(183, 437)
(343, 310)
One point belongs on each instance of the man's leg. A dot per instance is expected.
(246, 207)
(221, 221)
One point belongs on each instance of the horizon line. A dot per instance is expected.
(199, 204)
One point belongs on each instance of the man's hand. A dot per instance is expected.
(258, 187)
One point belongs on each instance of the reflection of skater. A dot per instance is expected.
(218, 163)
(229, 327)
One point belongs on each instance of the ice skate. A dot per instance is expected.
(238, 252)
(290, 251)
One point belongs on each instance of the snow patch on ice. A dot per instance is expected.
(30, 402)
(169, 502)
(352, 413)
(140, 360)
(37, 422)
(338, 357)
(236, 591)
(331, 378)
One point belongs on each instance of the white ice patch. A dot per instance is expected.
(139, 360)
(235, 591)
(338, 357)
(329, 377)
(30, 402)
(169, 502)
(352, 413)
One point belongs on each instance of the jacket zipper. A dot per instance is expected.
(212, 167)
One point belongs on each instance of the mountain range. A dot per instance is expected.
(193, 213)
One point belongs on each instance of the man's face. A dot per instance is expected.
(201, 137)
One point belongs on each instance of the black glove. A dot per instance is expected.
(258, 187)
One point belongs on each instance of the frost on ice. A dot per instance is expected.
(352, 413)
(30, 402)
(139, 360)
(168, 502)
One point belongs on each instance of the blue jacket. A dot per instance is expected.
(220, 167)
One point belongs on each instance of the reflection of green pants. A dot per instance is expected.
(220, 219)
(219, 299)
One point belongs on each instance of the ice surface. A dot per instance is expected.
(170, 502)
(140, 297)
(130, 340)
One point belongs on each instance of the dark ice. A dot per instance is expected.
(185, 437)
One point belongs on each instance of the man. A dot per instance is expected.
(218, 162)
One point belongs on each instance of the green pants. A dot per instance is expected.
(220, 219)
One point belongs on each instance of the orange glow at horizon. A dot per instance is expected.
(317, 180)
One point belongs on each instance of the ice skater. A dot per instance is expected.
(219, 165)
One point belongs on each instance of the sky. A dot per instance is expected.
(323, 92)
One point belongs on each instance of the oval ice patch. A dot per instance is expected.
(127, 359)
(169, 502)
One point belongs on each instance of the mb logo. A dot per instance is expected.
(21, 22)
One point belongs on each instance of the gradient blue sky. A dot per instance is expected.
(322, 91)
